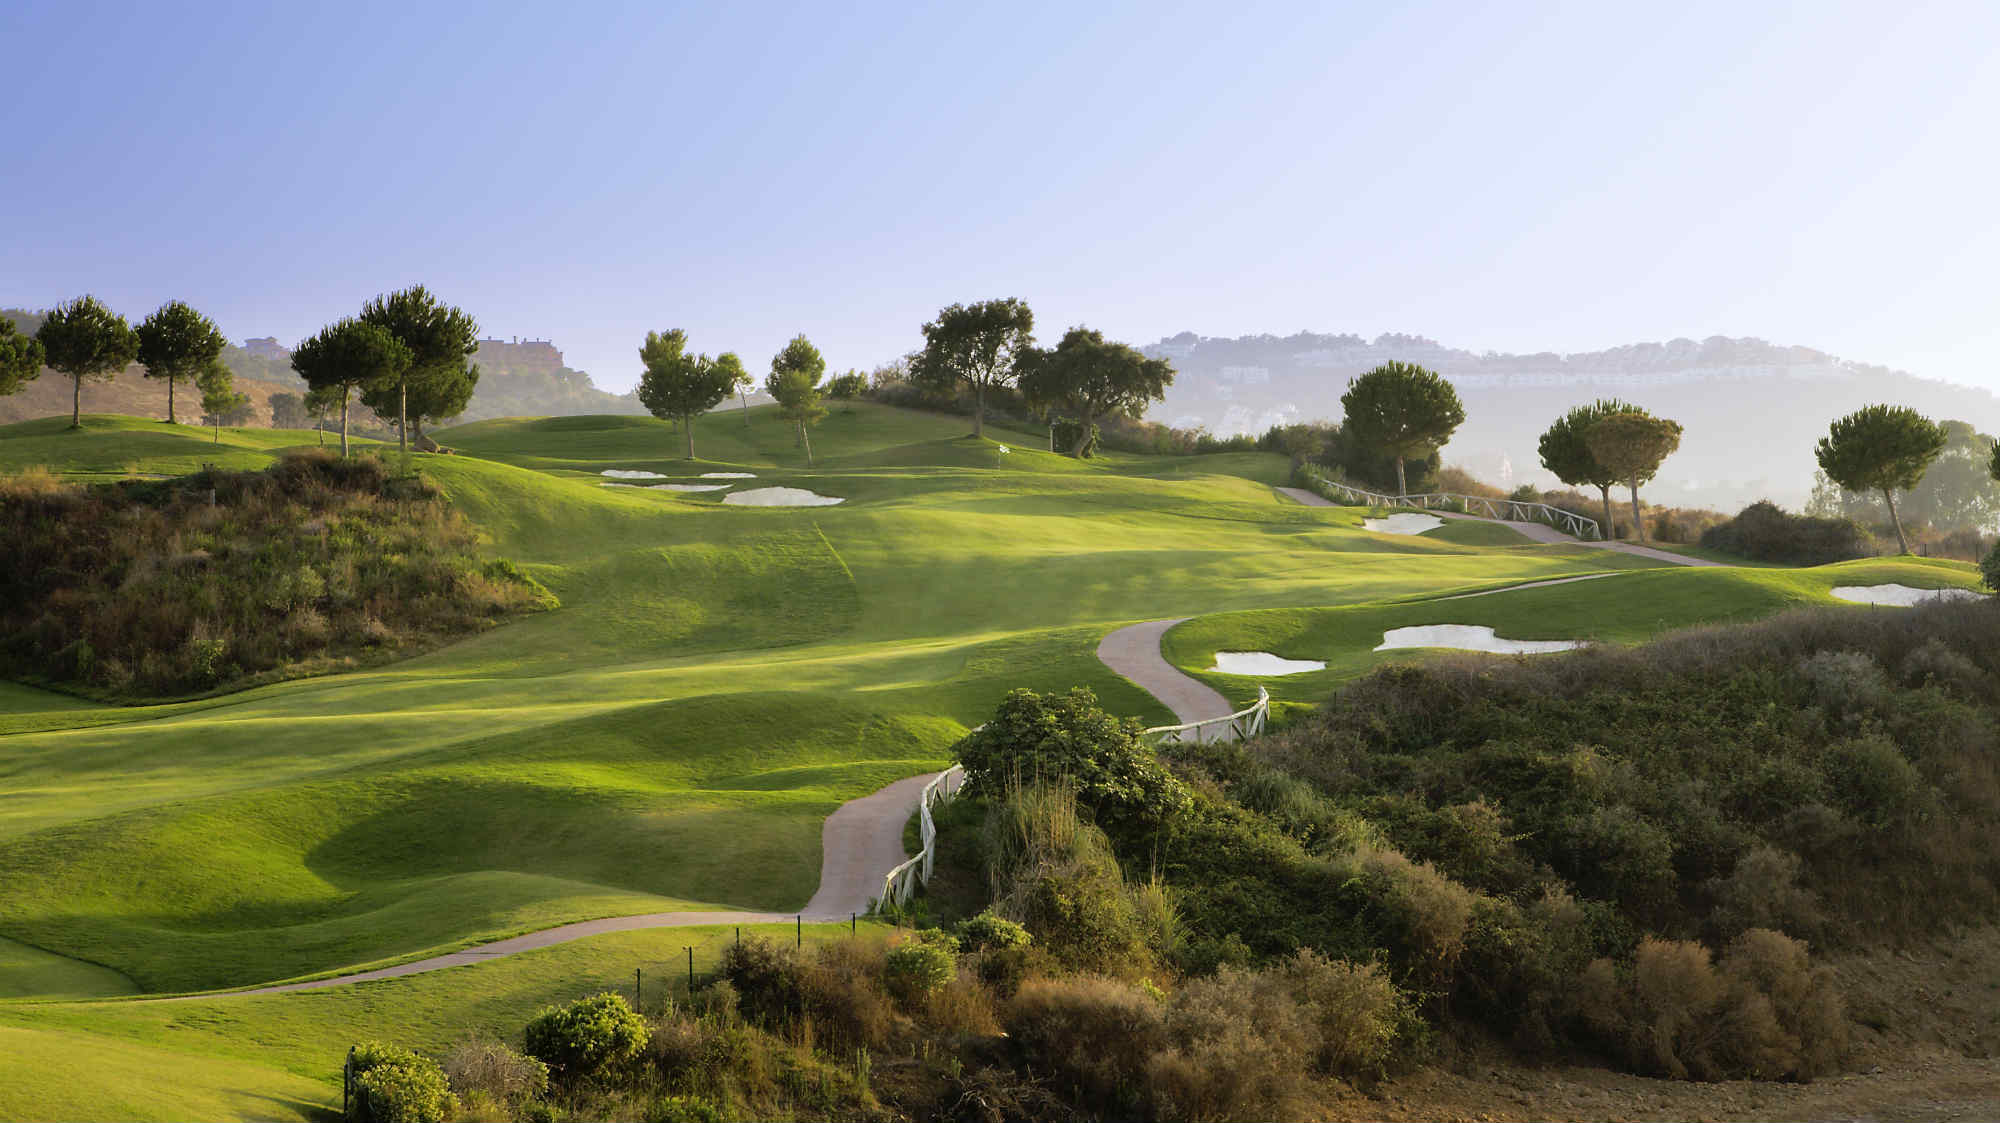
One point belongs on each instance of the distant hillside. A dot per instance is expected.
(1752, 409)
(527, 378)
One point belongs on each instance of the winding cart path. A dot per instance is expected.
(859, 843)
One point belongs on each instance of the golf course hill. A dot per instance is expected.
(730, 649)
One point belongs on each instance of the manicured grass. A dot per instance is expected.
(717, 681)
(278, 1056)
(1622, 608)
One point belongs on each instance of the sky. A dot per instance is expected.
(1507, 177)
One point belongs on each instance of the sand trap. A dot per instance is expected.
(780, 497)
(729, 475)
(1004, 448)
(1900, 596)
(628, 474)
(1402, 524)
(1470, 637)
(689, 487)
(1262, 663)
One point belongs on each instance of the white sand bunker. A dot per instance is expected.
(1901, 596)
(629, 474)
(1402, 524)
(1262, 663)
(1470, 637)
(729, 475)
(780, 497)
(690, 487)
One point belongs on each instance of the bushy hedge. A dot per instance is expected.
(151, 588)
(1764, 531)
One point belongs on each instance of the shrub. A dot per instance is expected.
(687, 1109)
(768, 979)
(395, 1085)
(587, 1036)
(1044, 737)
(1766, 1014)
(1763, 892)
(918, 969)
(1093, 1037)
(1359, 1017)
(990, 931)
(1763, 531)
(847, 387)
(495, 1071)
(1237, 1041)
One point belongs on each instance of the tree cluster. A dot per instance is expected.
(404, 356)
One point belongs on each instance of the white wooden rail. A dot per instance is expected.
(1244, 723)
(902, 881)
(1508, 510)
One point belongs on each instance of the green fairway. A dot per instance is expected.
(1622, 608)
(717, 681)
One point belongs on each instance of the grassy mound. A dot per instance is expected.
(227, 578)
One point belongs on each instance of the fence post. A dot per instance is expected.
(690, 952)
(638, 988)
(346, 1081)
(799, 939)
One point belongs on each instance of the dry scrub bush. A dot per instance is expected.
(1765, 1013)
(1091, 1037)
(1428, 912)
(1057, 876)
(490, 1077)
(1763, 891)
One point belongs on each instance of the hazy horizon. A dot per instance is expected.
(1559, 178)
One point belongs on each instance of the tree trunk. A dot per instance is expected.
(343, 424)
(319, 426)
(1082, 437)
(170, 399)
(743, 393)
(979, 409)
(403, 418)
(687, 430)
(1638, 521)
(1609, 523)
(1402, 485)
(76, 402)
(808, 443)
(1889, 497)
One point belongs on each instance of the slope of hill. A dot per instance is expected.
(717, 680)
(1710, 386)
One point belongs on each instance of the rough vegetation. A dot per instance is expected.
(147, 588)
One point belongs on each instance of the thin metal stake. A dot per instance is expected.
(690, 972)
(638, 987)
(800, 941)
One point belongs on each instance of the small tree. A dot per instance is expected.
(1566, 450)
(288, 411)
(220, 403)
(1404, 411)
(177, 344)
(1090, 377)
(437, 383)
(679, 385)
(1046, 737)
(348, 356)
(794, 382)
(322, 404)
(1632, 445)
(976, 345)
(21, 358)
(1881, 448)
(89, 342)
(739, 380)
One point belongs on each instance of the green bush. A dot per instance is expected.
(1042, 738)
(990, 931)
(685, 1109)
(394, 1085)
(1763, 531)
(586, 1037)
(918, 969)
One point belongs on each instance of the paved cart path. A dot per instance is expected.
(859, 844)
(1134, 652)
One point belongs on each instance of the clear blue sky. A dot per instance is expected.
(1510, 177)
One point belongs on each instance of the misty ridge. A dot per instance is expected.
(1751, 410)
